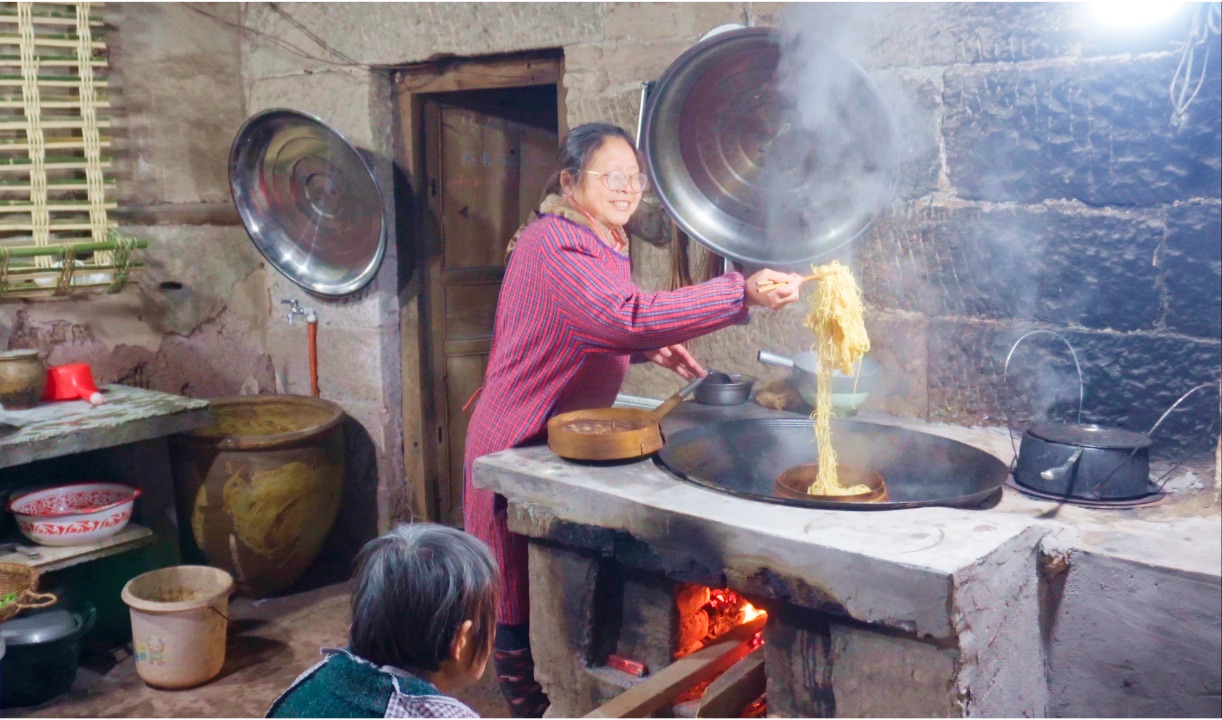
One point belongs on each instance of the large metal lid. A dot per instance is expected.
(39, 627)
(1093, 436)
(766, 167)
(308, 201)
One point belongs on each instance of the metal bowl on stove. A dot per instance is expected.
(721, 388)
(766, 168)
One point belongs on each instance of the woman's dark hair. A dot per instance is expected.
(414, 587)
(578, 147)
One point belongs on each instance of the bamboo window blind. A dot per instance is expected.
(55, 150)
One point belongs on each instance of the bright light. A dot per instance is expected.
(1133, 13)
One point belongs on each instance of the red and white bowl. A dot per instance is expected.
(74, 514)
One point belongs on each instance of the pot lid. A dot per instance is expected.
(17, 354)
(1085, 435)
(768, 168)
(308, 201)
(40, 627)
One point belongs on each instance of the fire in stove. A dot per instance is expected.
(706, 614)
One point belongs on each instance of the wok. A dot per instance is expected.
(746, 457)
(768, 158)
(612, 433)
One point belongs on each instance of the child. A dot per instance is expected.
(423, 617)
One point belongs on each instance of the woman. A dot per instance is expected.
(567, 321)
(423, 610)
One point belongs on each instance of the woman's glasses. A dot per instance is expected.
(617, 180)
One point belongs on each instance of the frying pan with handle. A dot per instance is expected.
(612, 433)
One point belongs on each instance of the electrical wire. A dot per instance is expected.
(1208, 21)
(436, 68)
(284, 44)
(308, 33)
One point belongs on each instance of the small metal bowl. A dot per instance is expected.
(724, 388)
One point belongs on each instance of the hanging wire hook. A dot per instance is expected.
(1005, 379)
(1163, 480)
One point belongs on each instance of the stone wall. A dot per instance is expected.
(194, 323)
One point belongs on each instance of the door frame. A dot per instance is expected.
(425, 441)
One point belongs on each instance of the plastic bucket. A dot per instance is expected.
(179, 620)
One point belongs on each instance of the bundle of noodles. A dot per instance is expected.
(840, 342)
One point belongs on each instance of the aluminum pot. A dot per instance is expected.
(1086, 461)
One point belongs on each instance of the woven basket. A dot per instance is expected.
(19, 590)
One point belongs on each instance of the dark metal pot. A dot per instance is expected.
(724, 388)
(1087, 461)
(42, 662)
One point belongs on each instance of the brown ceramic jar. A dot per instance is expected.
(22, 379)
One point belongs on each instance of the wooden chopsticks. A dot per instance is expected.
(769, 284)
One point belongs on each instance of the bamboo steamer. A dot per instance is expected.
(794, 481)
(612, 433)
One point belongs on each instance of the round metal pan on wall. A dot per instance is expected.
(746, 457)
(763, 169)
(308, 201)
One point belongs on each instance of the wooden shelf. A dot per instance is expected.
(51, 559)
(130, 415)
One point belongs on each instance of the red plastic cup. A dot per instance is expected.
(73, 381)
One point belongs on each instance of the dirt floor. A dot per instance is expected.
(270, 643)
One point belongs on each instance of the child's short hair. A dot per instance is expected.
(415, 586)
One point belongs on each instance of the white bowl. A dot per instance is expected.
(74, 514)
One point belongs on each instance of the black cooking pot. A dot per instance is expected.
(1085, 461)
(42, 664)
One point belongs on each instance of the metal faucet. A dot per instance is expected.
(296, 309)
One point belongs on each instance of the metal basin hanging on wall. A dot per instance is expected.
(260, 487)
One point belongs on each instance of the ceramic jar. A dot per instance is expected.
(22, 379)
(258, 490)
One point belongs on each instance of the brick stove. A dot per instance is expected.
(922, 612)
(933, 611)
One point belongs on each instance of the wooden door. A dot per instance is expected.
(487, 155)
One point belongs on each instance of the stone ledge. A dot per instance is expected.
(847, 564)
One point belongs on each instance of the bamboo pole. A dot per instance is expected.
(68, 41)
(49, 166)
(50, 104)
(58, 250)
(55, 61)
(52, 125)
(82, 207)
(24, 187)
(29, 227)
(64, 82)
(53, 145)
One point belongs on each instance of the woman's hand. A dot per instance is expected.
(678, 359)
(775, 296)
